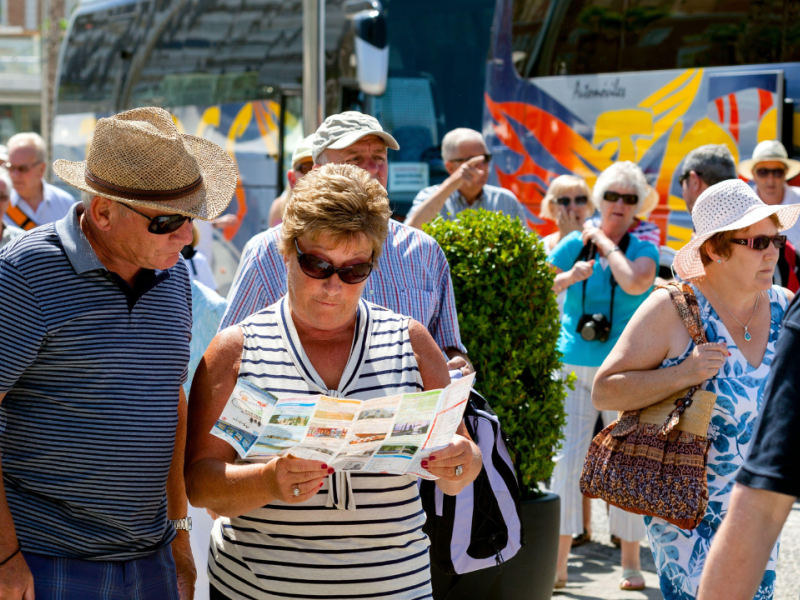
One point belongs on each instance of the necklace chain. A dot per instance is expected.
(747, 336)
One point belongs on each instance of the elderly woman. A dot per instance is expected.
(568, 202)
(729, 266)
(342, 535)
(7, 232)
(607, 274)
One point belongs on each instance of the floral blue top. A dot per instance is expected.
(679, 554)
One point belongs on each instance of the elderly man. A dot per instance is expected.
(93, 351)
(702, 168)
(414, 278)
(34, 202)
(770, 169)
(7, 232)
(467, 160)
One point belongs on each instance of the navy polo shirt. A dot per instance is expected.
(774, 460)
(92, 370)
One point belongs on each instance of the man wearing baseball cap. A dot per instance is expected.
(770, 168)
(413, 277)
(301, 164)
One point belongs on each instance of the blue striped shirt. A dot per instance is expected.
(92, 371)
(412, 278)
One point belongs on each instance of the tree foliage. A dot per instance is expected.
(510, 324)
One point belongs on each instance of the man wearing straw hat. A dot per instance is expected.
(96, 311)
(770, 169)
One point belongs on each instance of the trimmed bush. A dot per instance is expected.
(510, 324)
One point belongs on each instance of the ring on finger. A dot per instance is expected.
(296, 491)
(459, 470)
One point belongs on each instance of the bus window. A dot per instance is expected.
(598, 36)
(527, 20)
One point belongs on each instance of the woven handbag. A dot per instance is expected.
(653, 461)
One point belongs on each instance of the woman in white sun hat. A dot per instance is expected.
(769, 169)
(729, 267)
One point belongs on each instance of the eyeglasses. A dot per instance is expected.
(486, 158)
(761, 242)
(163, 224)
(629, 199)
(685, 176)
(566, 200)
(21, 168)
(316, 268)
(776, 173)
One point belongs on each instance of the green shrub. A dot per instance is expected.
(510, 324)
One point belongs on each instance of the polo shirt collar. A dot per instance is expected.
(79, 251)
(463, 202)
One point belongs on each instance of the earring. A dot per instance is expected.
(719, 260)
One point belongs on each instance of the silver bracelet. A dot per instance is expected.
(613, 250)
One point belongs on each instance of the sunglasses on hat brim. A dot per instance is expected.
(762, 242)
(317, 268)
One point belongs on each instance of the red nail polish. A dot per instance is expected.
(330, 471)
(324, 466)
(431, 458)
(320, 484)
(424, 464)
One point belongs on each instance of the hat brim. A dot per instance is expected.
(792, 166)
(649, 203)
(687, 261)
(351, 138)
(219, 171)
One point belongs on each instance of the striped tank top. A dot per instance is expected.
(361, 535)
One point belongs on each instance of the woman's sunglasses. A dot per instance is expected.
(762, 242)
(629, 199)
(566, 200)
(163, 224)
(316, 268)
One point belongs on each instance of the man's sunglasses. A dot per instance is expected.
(686, 175)
(776, 173)
(579, 200)
(316, 268)
(21, 168)
(629, 199)
(163, 224)
(761, 242)
(486, 158)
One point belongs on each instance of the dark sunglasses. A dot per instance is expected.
(776, 173)
(566, 200)
(163, 224)
(486, 158)
(761, 242)
(316, 268)
(685, 176)
(630, 199)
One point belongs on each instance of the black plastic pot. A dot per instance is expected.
(527, 576)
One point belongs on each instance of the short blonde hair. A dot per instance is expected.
(341, 201)
(557, 188)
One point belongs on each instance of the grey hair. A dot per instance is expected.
(6, 178)
(29, 138)
(453, 139)
(712, 163)
(3, 153)
(624, 173)
(86, 199)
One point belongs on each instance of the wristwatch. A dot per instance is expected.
(182, 524)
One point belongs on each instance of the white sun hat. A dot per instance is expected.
(726, 206)
(769, 150)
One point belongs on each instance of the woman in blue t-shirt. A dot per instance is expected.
(595, 266)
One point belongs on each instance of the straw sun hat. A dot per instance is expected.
(769, 150)
(139, 157)
(726, 206)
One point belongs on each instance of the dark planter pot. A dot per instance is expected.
(527, 576)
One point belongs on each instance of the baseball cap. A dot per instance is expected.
(345, 129)
(303, 150)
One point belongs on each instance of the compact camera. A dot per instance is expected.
(594, 328)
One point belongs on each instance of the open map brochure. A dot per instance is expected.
(382, 435)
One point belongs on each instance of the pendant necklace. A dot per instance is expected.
(747, 336)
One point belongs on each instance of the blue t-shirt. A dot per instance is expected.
(575, 349)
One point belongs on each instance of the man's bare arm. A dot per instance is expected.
(16, 580)
(740, 550)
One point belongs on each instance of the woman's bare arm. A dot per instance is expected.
(634, 276)
(461, 450)
(213, 481)
(630, 379)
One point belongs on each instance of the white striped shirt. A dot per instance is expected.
(320, 549)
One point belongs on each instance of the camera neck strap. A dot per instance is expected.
(623, 246)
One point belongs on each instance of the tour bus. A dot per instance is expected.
(557, 86)
(231, 71)
(574, 85)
